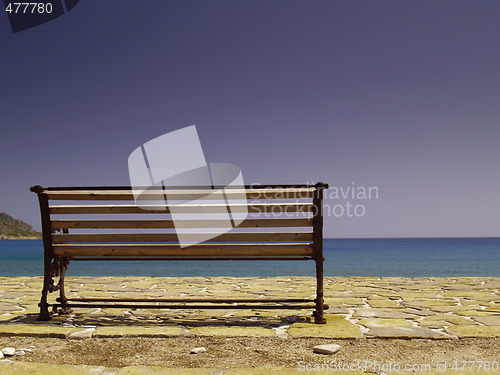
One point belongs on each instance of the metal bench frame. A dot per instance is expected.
(60, 248)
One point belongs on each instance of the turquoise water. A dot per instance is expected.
(404, 257)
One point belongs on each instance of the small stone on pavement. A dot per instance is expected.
(326, 349)
(86, 334)
(198, 350)
(8, 351)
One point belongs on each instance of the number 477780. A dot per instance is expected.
(29, 8)
(471, 365)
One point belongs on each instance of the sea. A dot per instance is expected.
(380, 257)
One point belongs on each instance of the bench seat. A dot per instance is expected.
(267, 222)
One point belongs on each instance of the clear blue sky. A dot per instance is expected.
(403, 96)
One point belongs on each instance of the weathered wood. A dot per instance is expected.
(190, 187)
(274, 209)
(185, 195)
(172, 237)
(146, 250)
(154, 224)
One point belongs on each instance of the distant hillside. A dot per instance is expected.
(11, 228)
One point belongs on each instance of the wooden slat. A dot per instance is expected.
(190, 187)
(120, 224)
(172, 237)
(194, 194)
(142, 224)
(275, 208)
(287, 249)
(274, 223)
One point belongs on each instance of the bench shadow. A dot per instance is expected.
(106, 320)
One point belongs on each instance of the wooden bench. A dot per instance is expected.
(86, 223)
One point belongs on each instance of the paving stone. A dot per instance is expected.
(474, 295)
(347, 301)
(446, 308)
(35, 330)
(437, 324)
(156, 330)
(336, 309)
(378, 322)
(7, 317)
(474, 331)
(336, 327)
(420, 311)
(471, 313)
(13, 295)
(384, 303)
(232, 331)
(448, 318)
(431, 302)
(494, 309)
(10, 308)
(376, 313)
(473, 303)
(493, 320)
(335, 287)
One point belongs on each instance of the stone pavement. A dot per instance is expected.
(436, 308)
(359, 307)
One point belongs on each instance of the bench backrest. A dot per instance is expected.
(98, 223)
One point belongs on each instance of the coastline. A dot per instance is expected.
(19, 238)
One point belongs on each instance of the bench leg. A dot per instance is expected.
(44, 307)
(318, 313)
(62, 294)
(47, 281)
